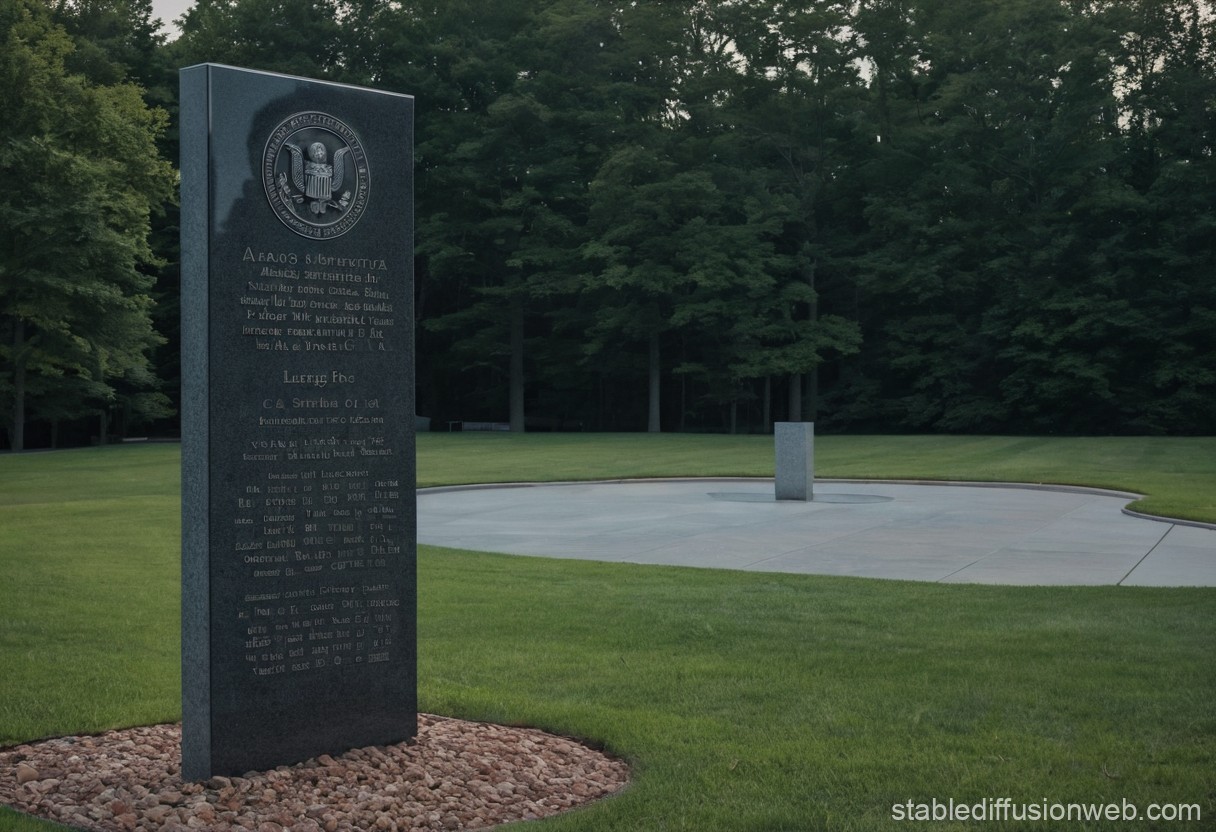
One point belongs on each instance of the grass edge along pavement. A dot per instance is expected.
(746, 702)
(1177, 475)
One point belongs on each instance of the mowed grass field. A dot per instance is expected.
(749, 702)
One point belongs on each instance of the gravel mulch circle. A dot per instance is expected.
(456, 775)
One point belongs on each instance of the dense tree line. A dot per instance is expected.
(993, 216)
(83, 177)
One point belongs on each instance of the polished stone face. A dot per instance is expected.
(298, 603)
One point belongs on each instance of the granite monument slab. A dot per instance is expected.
(298, 523)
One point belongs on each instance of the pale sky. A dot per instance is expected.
(169, 11)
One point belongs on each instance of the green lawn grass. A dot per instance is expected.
(750, 702)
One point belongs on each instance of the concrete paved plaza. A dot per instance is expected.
(952, 533)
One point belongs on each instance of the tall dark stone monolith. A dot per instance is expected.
(298, 554)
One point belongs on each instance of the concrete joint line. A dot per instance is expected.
(1146, 554)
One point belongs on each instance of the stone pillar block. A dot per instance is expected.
(795, 448)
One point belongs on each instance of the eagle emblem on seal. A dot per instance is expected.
(316, 179)
(316, 175)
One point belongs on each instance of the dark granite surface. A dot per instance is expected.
(298, 447)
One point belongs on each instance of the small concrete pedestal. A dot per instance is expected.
(795, 444)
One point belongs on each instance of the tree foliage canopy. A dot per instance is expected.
(994, 216)
(83, 177)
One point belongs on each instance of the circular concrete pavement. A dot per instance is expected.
(952, 533)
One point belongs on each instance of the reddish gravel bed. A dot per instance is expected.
(457, 775)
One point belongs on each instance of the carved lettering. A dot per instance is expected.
(315, 429)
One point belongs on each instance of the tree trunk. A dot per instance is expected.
(17, 434)
(813, 376)
(683, 388)
(795, 408)
(652, 420)
(599, 407)
(734, 416)
(683, 403)
(768, 404)
(517, 365)
(103, 420)
(812, 395)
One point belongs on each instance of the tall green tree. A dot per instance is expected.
(116, 41)
(478, 136)
(298, 37)
(74, 229)
(788, 115)
(923, 214)
(122, 41)
(970, 209)
(1154, 230)
(519, 104)
(647, 221)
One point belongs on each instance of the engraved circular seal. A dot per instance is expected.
(316, 175)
